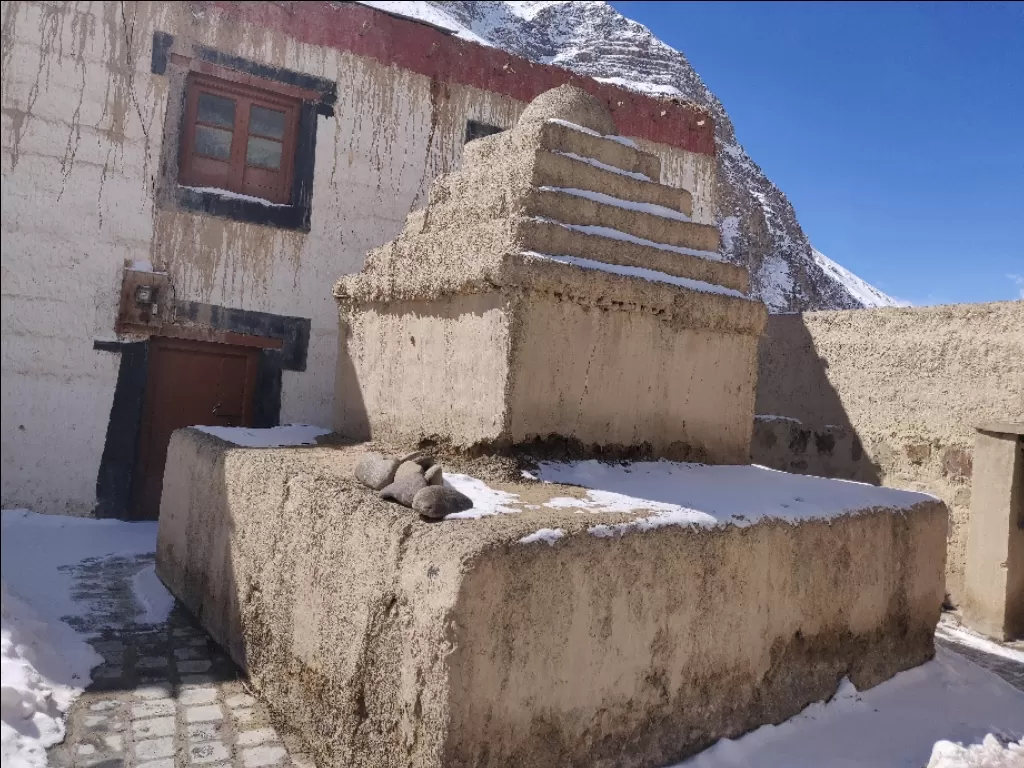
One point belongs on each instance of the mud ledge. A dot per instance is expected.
(387, 641)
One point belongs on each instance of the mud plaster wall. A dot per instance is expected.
(82, 132)
(387, 641)
(890, 396)
(627, 378)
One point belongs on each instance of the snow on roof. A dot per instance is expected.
(425, 13)
(272, 437)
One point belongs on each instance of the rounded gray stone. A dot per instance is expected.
(408, 468)
(425, 460)
(376, 471)
(404, 489)
(434, 475)
(436, 501)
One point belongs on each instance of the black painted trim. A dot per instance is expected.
(162, 42)
(266, 411)
(293, 331)
(327, 89)
(100, 345)
(120, 450)
(478, 130)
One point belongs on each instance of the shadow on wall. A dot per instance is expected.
(801, 425)
(350, 417)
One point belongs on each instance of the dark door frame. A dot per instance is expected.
(285, 341)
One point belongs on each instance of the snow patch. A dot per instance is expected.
(45, 668)
(653, 89)
(144, 265)
(989, 754)
(942, 714)
(963, 636)
(614, 234)
(152, 596)
(701, 495)
(604, 166)
(548, 535)
(46, 663)
(641, 272)
(630, 205)
(729, 229)
(486, 500)
(425, 14)
(272, 437)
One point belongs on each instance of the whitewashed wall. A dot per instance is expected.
(83, 121)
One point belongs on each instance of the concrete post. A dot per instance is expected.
(994, 575)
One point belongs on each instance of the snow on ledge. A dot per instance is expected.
(144, 265)
(663, 493)
(614, 234)
(228, 194)
(604, 166)
(486, 500)
(273, 437)
(702, 495)
(652, 209)
(643, 273)
(774, 417)
(611, 137)
(548, 535)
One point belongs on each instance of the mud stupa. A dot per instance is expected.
(596, 613)
(552, 289)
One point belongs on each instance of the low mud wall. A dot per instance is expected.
(388, 641)
(891, 397)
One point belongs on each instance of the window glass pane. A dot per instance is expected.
(264, 153)
(216, 110)
(266, 122)
(213, 142)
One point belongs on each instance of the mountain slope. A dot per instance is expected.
(758, 224)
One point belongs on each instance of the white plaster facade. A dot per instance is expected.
(83, 125)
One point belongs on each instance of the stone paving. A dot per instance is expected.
(166, 696)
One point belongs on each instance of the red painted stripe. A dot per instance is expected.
(363, 31)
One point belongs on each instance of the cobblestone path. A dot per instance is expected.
(166, 695)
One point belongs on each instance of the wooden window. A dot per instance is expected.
(239, 138)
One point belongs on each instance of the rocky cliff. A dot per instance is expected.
(758, 224)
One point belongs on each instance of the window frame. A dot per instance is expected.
(245, 97)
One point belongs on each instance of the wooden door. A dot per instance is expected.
(189, 383)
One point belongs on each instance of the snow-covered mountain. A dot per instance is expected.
(758, 224)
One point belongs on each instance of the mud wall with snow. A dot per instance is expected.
(552, 635)
(85, 121)
(891, 396)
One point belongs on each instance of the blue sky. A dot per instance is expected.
(896, 130)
